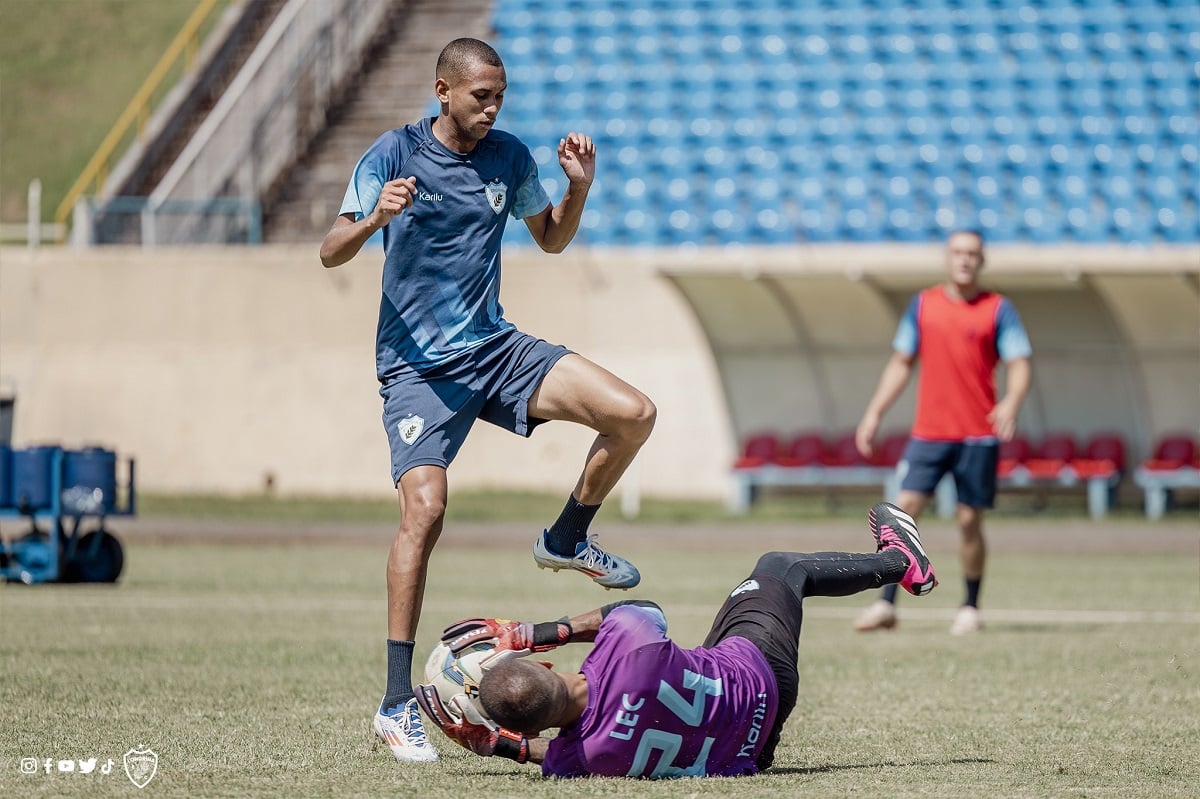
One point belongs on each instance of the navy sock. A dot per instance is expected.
(570, 528)
(973, 592)
(399, 676)
(888, 594)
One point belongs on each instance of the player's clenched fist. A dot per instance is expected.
(395, 196)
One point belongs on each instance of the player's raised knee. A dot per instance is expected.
(775, 563)
(639, 416)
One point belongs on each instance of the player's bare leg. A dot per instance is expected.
(881, 614)
(577, 390)
(422, 493)
(973, 551)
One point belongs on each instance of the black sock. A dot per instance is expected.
(570, 529)
(888, 594)
(833, 573)
(399, 676)
(973, 592)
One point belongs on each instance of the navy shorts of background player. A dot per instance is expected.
(972, 464)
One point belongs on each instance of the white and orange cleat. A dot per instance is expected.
(404, 734)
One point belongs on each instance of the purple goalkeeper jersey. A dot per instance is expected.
(657, 710)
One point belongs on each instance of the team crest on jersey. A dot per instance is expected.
(497, 192)
(410, 428)
(746, 586)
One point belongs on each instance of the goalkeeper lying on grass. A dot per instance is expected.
(642, 706)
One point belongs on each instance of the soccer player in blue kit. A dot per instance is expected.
(441, 190)
(641, 705)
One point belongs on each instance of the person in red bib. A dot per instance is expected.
(959, 332)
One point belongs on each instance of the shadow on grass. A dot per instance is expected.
(957, 761)
(536, 776)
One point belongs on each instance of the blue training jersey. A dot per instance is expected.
(441, 268)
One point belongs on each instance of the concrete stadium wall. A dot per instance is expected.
(217, 368)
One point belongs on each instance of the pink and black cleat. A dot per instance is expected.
(895, 529)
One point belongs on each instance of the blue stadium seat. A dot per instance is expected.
(866, 119)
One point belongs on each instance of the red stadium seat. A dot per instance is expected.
(805, 449)
(1056, 451)
(1013, 454)
(759, 450)
(1175, 451)
(890, 450)
(842, 451)
(1103, 456)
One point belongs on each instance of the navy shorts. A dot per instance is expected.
(768, 614)
(973, 464)
(428, 414)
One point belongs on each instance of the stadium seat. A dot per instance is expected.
(1175, 464)
(1101, 467)
(842, 451)
(759, 449)
(803, 449)
(1173, 451)
(1013, 455)
(1104, 454)
(890, 450)
(1101, 94)
(1051, 457)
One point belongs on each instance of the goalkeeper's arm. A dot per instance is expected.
(585, 626)
(519, 638)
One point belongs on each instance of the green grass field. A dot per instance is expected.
(252, 670)
(67, 70)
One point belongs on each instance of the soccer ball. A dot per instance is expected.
(457, 675)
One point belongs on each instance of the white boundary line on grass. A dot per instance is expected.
(21, 597)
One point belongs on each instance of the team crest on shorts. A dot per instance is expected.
(746, 586)
(410, 428)
(496, 194)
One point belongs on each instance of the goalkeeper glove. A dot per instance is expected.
(472, 731)
(511, 638)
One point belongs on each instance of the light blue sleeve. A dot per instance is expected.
(907, 339)
(1012, 342)
(376, 167)
(530, 197)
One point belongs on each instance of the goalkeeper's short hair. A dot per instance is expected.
(522, 696)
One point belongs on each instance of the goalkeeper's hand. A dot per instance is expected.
(473, 731)
(512, 639)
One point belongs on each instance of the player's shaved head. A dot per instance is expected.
(522, 696)
(461, 56)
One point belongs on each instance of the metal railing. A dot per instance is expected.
(267, 116)
(134, 220)
(182, 49)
